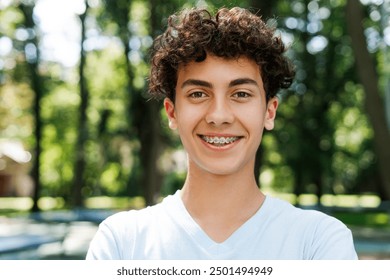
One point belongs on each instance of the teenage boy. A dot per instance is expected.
(219, 76)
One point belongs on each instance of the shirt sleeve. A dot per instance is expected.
(103, 245)
(107, 242)
(332, 241)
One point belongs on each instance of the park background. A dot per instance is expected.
(80, 140)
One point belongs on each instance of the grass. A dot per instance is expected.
(11, 205)
(371, 219)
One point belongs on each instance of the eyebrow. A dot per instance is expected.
(193, 82)
(242, 81)
(236, 82)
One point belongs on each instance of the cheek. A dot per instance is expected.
(253, 118)
(187, 121)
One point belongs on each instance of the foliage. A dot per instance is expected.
(323, 138)
(322, 143)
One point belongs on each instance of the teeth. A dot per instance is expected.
(219, 140)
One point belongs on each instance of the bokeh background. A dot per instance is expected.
(79, 139)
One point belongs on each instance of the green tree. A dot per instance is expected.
(80, 157)
(311, 135)
(32, 56)
(368, 75)
(323, 140)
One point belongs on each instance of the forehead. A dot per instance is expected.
(218, 70)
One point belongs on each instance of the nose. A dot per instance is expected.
(219, 112)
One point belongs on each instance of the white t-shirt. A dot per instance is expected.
(278, 230)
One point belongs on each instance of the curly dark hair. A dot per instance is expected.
(191, 34)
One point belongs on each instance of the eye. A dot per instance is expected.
(197, 94)
(241, 95)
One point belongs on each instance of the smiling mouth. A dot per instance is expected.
(219, 141)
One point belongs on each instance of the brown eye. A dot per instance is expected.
(197, 94)
(241, 94)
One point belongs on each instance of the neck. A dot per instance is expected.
(220, 204)
(206, 194)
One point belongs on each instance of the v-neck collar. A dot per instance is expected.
(211, 247)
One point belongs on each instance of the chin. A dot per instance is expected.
(222, 171)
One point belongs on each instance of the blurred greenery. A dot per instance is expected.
(326, 141)
(376, 220)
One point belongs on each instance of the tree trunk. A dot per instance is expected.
(148, 125)
(151, 147)
(80, 160)
(373, 103)
(385, 14)
(265, 9)
(37, 87)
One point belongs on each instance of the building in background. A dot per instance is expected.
(14, 169)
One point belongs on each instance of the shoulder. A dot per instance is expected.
(324, 236)
(290, 213)
(308, 220)
(108, 242)
(128, 223)
(118, 234)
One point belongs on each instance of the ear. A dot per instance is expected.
(272, 106)
(170, 111)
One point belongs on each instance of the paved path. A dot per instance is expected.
(372, 243)
(60, 240)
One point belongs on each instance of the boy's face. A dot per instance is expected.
(220, 112)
